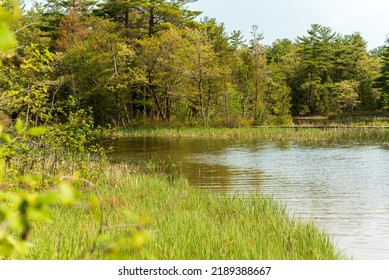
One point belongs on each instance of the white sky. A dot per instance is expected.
(279, 19)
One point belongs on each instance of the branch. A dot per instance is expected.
(24, 27)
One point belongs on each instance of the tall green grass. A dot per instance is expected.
(178, 222)
(356, 135)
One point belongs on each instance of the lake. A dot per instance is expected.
(343, 189)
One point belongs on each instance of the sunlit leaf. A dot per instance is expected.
(139, 239)
(7, 39)
(38, 215)
(67, 193)
(18, 125)
(37, 131)
(49, 198)
(6, 246)
(6, 138)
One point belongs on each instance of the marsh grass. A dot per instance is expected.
(179, 222)
(336, 135)
(380, 118)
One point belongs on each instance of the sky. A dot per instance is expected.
(278, 19)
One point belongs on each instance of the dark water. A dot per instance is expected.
(345, 190)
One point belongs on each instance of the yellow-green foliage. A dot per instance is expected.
(29, 192)
(7, 38)
(19, 209)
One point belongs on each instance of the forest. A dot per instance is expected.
(154, 61)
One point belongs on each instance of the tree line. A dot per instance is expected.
(127, 61)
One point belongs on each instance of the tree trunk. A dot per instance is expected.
(154, 93)
(208, 101)
(168, 104)
(200, 90)
(151, 22)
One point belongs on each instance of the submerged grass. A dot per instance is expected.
(182, 223)
(334, 135)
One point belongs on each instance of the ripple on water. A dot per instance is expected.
(345, 190)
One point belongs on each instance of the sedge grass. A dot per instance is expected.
(182, 223)
(339, 135)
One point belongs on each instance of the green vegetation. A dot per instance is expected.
(69, 66)
(154, 61)
(335, 135)
(362, 118)
(171, 220)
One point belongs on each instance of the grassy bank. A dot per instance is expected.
(336, 135)
(170, 220)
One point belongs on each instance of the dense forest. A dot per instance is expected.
(139, 61)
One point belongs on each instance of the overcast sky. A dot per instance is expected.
(279, 19)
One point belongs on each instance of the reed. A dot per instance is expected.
(333, 135)
(181, 222)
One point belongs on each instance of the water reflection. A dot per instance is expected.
(345, 190)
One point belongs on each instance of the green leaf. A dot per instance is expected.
(6, 138)
(7, 246)
(7, 39)
(67, 194)
(18, 126)
(36, 131)
(41, 215)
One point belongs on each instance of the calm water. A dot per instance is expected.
(345, 190)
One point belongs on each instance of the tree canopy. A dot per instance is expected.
(153, 60)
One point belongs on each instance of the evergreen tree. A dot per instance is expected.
(317, 53)
(146, 17)
(383, 80)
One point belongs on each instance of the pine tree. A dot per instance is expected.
(317, 53)
(146, 17)
(383, 81)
